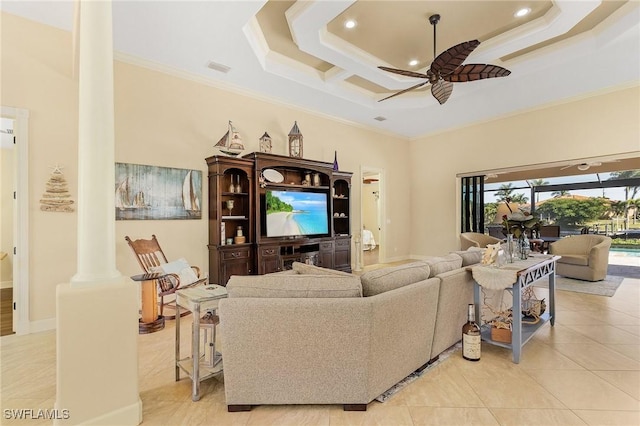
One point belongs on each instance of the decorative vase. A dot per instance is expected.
(335, 160)
(510, 248)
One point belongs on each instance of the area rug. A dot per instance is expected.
(606, 287)
(415, 375)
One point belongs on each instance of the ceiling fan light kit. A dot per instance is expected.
(447, 69)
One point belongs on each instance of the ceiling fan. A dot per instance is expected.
(586, 166)
(447, 69)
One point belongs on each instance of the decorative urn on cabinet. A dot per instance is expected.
(295, 141)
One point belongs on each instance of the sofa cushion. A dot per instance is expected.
(471, 256)
(574, 259)
(385, 279)
(304, 269)
(438, 265)
(292, 286)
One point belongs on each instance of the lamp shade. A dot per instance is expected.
(503, 209)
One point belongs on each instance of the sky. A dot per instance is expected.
(611, 193)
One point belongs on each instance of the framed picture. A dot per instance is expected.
(152, 192)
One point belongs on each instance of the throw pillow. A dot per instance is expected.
(446, 263)
(386, 279)
(470, 257)
(181, 268)
(292, 286)
(304, 269)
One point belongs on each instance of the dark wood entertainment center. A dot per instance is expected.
(240, 183)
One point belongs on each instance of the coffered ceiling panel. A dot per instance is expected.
(299, 52)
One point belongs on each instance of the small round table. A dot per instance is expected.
(150, 321)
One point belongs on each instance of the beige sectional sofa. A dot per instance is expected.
(318, 336)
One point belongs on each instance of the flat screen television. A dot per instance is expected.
(296, 213)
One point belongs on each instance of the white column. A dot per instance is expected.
(96, 175)
(97, 312)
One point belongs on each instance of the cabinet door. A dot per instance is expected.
(342, 256)
(326, 255)
(269, 260)
(235, 267)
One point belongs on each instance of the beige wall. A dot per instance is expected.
(166, 121)
(597, 126)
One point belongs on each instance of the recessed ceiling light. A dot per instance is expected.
(413, 62)
(350, 24)
(522, 12)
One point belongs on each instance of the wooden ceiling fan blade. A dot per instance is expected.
(472, 72)
(405, 72)
(405, 90)
(441, 90)
(446, 62)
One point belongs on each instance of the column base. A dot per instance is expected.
(97, 353)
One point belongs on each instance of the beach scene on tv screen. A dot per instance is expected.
(296, 213)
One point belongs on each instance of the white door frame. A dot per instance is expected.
(382, 254)
(21, 323)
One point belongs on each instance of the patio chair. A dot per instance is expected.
(476, 239)
(585, 257)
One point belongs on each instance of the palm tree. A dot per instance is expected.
(633, 190)
(538, 182)
(562, 193)
(505, 191)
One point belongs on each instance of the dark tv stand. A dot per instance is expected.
(332, 251)
(241, 180)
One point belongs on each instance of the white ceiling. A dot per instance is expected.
(565, 50)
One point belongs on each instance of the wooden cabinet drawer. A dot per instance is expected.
(343, 243)
(235, 254)
(270, 251)
(326, 246)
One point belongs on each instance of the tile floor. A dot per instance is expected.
(583, 371)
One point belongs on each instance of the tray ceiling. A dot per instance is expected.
(299, 53)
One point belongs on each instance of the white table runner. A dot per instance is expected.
(501, 277)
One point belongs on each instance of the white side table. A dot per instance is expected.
(197, 300)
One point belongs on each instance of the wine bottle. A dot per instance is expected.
(471, 337)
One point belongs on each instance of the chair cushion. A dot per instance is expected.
(386, 279)
(574, 259)
(181, 268)
(292, 286)
(446, 263)
(470, 256)
(304, 269)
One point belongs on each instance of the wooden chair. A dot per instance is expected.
(150, 255)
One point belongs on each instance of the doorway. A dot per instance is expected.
(14, 219)
(7, 173)
(371, 216)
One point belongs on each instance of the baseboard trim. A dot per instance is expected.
(42, 325)
(128, 415)
(6, 284)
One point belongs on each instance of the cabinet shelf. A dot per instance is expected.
(235, 218)
(293, 185)
(528, 330)
(239, 194)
